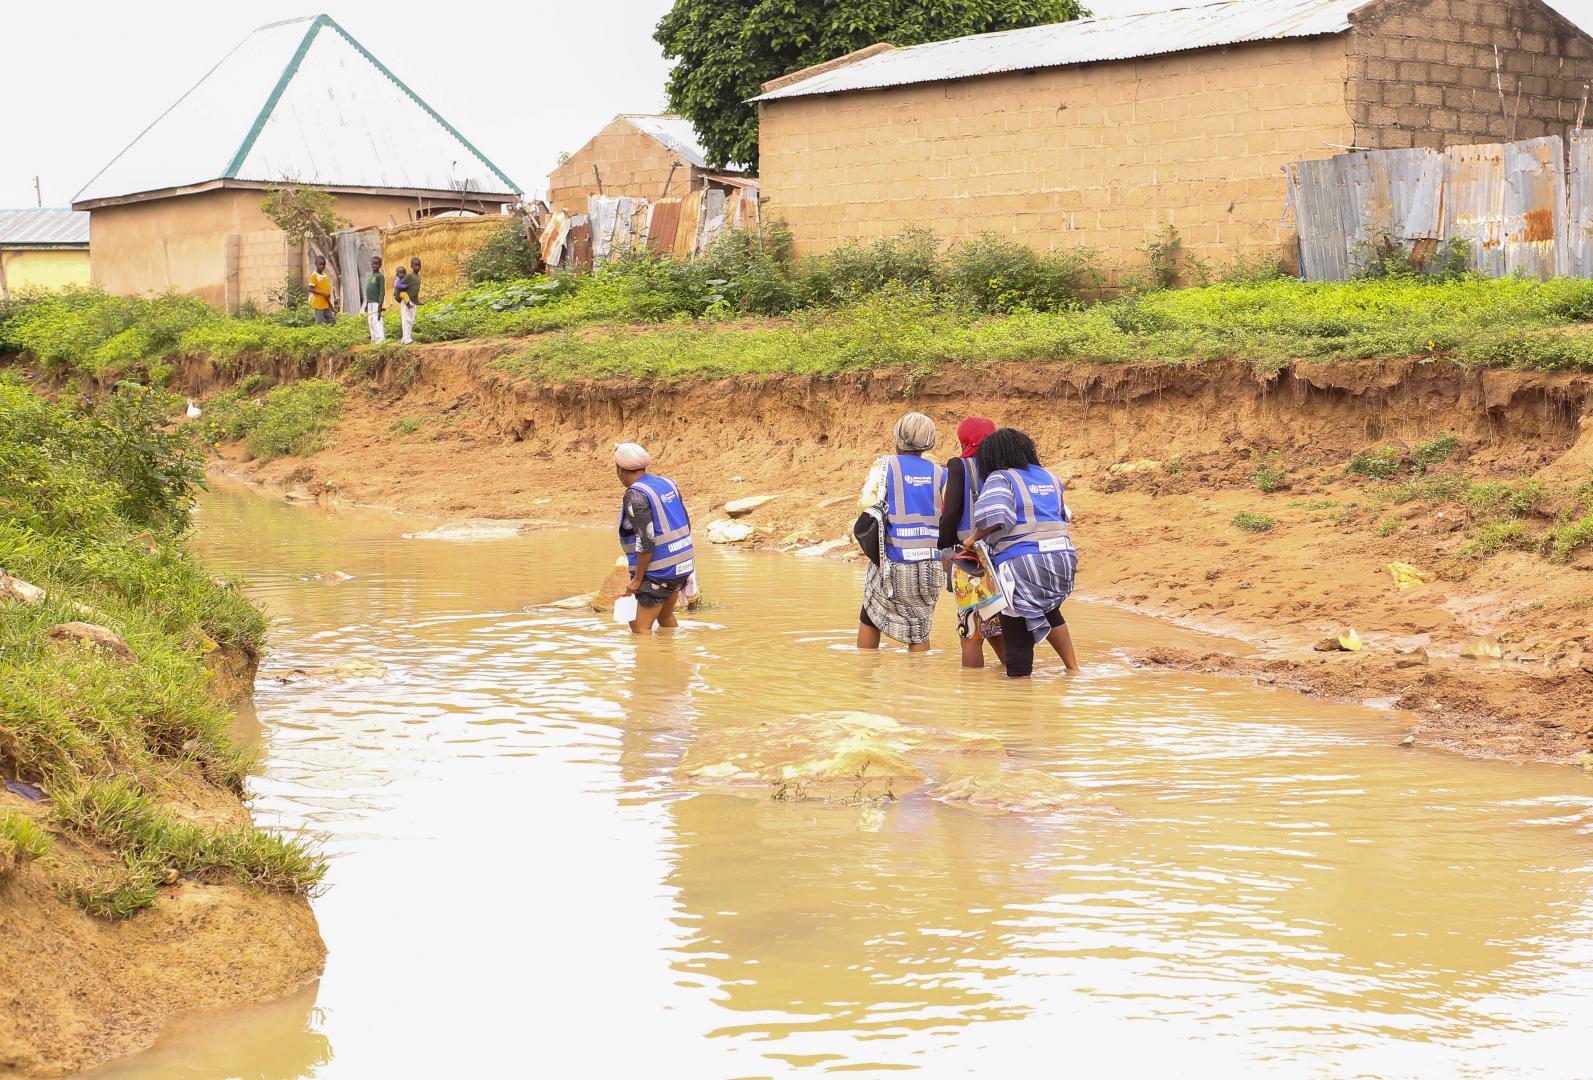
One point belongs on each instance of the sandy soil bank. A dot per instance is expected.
(1158, 461)
(79, 990)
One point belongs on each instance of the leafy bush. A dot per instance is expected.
(1379, 464)
(1269, 476)
(504, 255)
(1433, 452)
(994, 274)
(1253, 523)
(855, 269)
(291, 419)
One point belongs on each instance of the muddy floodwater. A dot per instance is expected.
(522, 885)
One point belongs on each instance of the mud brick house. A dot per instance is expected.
(641, 155)
(296, 100)
(1096, 133)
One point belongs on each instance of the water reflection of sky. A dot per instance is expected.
(519, 886)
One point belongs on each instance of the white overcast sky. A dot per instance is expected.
(522, 81)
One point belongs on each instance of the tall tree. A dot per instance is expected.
(725, 49)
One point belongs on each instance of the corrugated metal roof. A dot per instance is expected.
(674, 132)
(51, 226)
(299, 100)
(1119, 37)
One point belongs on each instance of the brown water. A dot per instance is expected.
(520, 888)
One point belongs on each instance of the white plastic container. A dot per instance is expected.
(625, 610)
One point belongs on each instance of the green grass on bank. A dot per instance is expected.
(94, 509)
(901, 301)
(1472, 322)
(292, 419)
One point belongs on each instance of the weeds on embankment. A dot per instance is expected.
(1497, 515)
(94, 510)
(293, 419)
(901, 301)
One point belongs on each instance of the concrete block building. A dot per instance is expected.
(298, 100)
(642, 155)
(1098, 133)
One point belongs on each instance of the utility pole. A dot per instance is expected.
(38, 193)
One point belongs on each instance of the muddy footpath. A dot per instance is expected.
(1487, 656)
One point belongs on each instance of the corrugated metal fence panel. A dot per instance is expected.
(1343, 204)
(1534, 205)
(354, 250)
(1320, 198)
(1474, 182)
(1578, 245)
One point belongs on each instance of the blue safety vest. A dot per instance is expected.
(672, 553)
(914, 489)
(970, 493)
(1042, 523)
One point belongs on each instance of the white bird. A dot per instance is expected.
(193, 410)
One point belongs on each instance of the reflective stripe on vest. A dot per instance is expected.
(1042, 520)
(970, 493)
(672, 549)
(914, 489)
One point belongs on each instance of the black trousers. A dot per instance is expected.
(1020, 642)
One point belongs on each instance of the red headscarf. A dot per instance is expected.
(971, 432)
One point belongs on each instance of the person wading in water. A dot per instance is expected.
(899, 593)
(956, 528)
(1023, 516)
(655, 534)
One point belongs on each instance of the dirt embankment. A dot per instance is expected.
(1158, 462)
(80, 990)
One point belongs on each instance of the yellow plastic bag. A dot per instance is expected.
(1406, 576)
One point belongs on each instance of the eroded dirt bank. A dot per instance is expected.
(1158, 460)
(80, 990)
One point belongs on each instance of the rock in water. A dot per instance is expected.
(14, 588)
(90, 635)
(721, 531)
(742, 507)
(1415, 658)
(829, 547)
(572, 603)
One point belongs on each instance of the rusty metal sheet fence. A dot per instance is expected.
(1520, 207)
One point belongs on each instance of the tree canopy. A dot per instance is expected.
(725, 49)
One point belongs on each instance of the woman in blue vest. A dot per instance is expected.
(655, 534)
(1023, 517)
(956, 527)
(899, 594)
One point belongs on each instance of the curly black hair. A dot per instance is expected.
(1006, 448)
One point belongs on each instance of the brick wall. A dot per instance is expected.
(265, 259)
(1099, 155)
(1421, 72)
(629, 162)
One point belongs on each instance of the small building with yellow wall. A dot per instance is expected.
(42, 249)
(179, 209)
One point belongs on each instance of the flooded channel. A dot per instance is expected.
(520, 885)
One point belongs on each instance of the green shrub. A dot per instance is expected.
(295, 419)
(1253, 523)
(1269, 476)
(1377, 464)
(504, 255)
(1433, 452)
(854, 269)
(995, 274)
